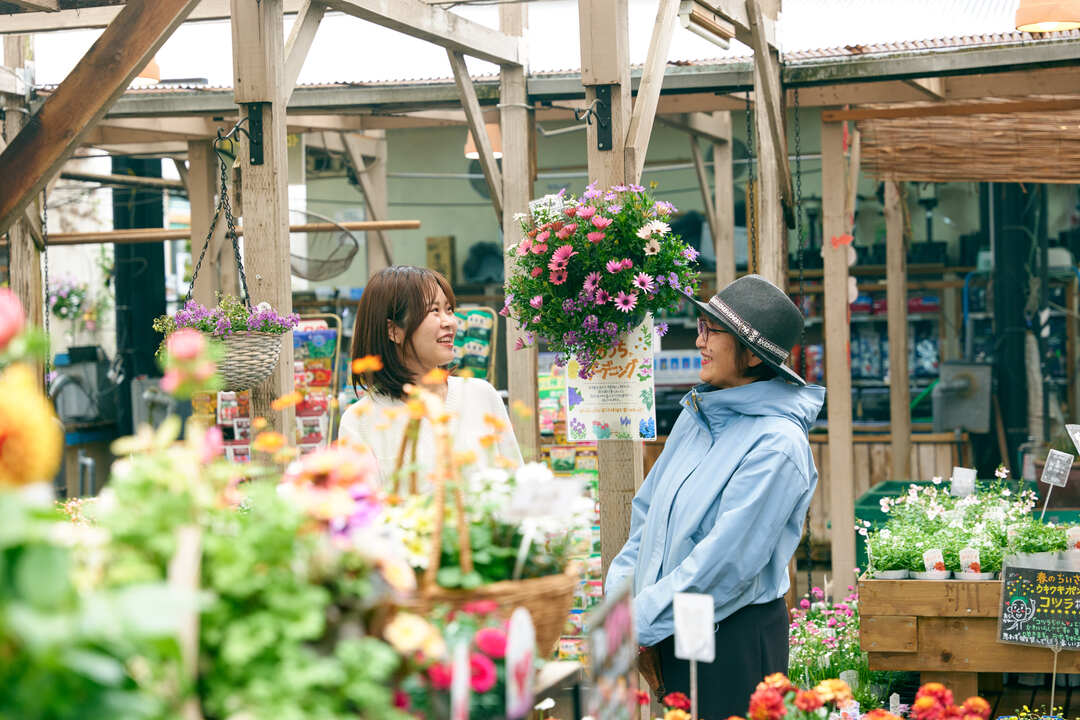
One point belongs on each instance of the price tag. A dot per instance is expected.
(1074, 433)
(695, 634)
(933, 560)
(553, 497)
(969, 560)
(1056, 470)
(520, 655)
(963, 482)
(461, 676)
(1072, 538)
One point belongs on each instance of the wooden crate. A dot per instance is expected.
(946, 630)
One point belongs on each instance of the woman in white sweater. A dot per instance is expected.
(406, 318)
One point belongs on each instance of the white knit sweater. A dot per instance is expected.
(467, 399)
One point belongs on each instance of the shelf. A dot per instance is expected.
(871, 382)
(912, 317)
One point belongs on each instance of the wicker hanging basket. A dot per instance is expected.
(548, 599)
(250, 358)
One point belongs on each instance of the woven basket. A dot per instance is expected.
(249, 359)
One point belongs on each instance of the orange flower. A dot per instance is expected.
(497, 424)
(880, 714)
(435, 376)
(767, 704)
(927, 707)
(833, 690)
(285, 455)
(977, 706)
(487, 441)
(521, 409)
(676, 714)
(366, 364)
(285, 401)
(777, 681)
(937, 691)
(468, 457)
(259, 423)
(416, 408)
(268, 442)
(808, 700)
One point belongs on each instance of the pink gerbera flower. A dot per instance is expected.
(625, 302)
(537, 301)
(562, 255)
(602, 297)
(535, 272)
(524, 247)
(542, 237)
(539, 248)
(614, 266)
(557, 277)
(600, 222)
(644, 281)
(570, 210)
(594, 236)
(592, 282)
(586, 211)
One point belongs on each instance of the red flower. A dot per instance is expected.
(676, 700)
(642, 697)
(480, 607)
(937, 691)
(491, 642)
(767, 704)
(975, 567)
(440, 676)
(401, 700)
(977, 706)
(483, 673)
(927, 707)
(777, 681)
(808, 700)
(939, 565)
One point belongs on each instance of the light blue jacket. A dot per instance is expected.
(722, 510)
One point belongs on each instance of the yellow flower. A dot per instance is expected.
(435, 376)
(407, 633)
(487, 441)
(497, 424)
(434, 648)
(285, 455)
(259, 423)
(30, 435)
(467, 457)
(285, 401)
(676, 714)
(833, 690)
(368, 363)
(397, 574)
(521, 409)
(268, 442)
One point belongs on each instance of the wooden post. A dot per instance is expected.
(724, 207)
(838, 358)
(218, 271)
(475, 117)
(896, 300)
(258, 40)
(516, 121)
(24, 259)
(372, 179)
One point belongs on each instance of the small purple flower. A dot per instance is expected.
(591, 324)
(620, 188)
(610, 197)
(571, 337)
(661, 329)
(637, 189)
(673, 280)
(591, 192)
(614, 209)
(568, 305)
(690, 254)
(663, 207)
(611, 328)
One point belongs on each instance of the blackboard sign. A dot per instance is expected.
(1040, 607)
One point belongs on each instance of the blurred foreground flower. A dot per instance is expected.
(30, 436)
(190, 364)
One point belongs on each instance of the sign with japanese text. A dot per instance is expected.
(613, 654)
(1040, 607)
(619, 401)
(1056, 470)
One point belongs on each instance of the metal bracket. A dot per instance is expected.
(255, 131)
(603, 117)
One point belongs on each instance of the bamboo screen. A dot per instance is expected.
(1035, 147)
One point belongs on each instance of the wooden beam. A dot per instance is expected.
(367, 146)
(100, 77)
(724, 204)
(707, 201)
(182, 171)
(896, 302)
(372, 179)
(36, 5)
(652, 80)
(517, 123)
(837, 358)
(934, 87)
(123, 180)
(713, 127)
(301, 36)
(737, 13)
(438, 26)
(471, 105)
(99, 17)
(258, 64)
(851, 198)
(1019, 106)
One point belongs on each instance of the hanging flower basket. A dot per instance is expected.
(250, 358)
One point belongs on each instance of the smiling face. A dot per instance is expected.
(721, 365)
(432, 343)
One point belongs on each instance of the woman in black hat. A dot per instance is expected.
(722, 510)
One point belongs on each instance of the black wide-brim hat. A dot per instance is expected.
(762, 317)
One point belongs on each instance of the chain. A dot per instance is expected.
(45, 289)
(800, 233)
(751, 206)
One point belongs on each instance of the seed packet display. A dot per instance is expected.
(228, 407)
(240, 452)
(242, 429)
(311, 430)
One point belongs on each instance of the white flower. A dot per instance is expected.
(264, 307)
(937, 480)
(533, 472)
(652, 247)
(647, 230)
(1002, 472)
(1006, 492)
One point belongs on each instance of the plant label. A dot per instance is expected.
(969, 560)
(1074, 435)
(1072, 536)
(963, 482)
(520, 657)
(1056, 470)
(695, 633)
(459, 684)
(934, 560)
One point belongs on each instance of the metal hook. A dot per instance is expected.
(588, 113)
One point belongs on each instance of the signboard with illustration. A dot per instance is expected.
(1040, 607)
(474, 341)
(618, 401)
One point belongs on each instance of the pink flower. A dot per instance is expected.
(186, 344)
(586, 211)
(595, 236)
(204, 371)
(171, 381)
(440, 675)
(627, 263)
(480, 607)
(566, 231)
(557, 277)
(213, 444)
(401, 699)
(524, 247)
(570, 211)
(542, 237)
(804, 604)
(537, 301)
(601, 297)
(592, 282)
(600, 222)
(561, 256)
(614, 266)
(492, 642)
(535, 272)
(483, 673)
(539, 248)
(644, 281)
(12, 316)
(625, 303)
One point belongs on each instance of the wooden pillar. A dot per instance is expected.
(258, 40)
(372, 178)
(896, 300)
(516, 122)
(24, 259)
(604, 32)
(218, 271)
(838, 358)
(724, 206)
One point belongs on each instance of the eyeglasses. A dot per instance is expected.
(703, 329)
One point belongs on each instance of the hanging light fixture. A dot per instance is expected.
(702, 20)
(494, 136)
(1040, 16)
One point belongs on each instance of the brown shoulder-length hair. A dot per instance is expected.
(400, 294)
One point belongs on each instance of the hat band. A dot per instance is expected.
(748, 334)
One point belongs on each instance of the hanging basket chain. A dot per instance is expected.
(45, 287)
(230, 222)
(751, 207)
(800, 232)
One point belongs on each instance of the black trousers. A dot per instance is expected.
(750, 644)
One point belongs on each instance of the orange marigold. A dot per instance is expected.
(977, 706)
(30, 436)
(268, 442)
(927, 707)
(833, 690)
(285, 401)
(808, 700)
(767, 704)
(368, 363)
(777, 681)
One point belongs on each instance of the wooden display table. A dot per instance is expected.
(946, 630)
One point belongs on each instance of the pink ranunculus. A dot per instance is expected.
(171, 381)
(186, 344)
(596, 236)
(600, 222)
(483, 673)
(12, 316)
(213, 444)
(586, 211)
(536, 271)
(491, 642)
(440, 675)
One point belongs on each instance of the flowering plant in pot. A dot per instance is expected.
(588, 269)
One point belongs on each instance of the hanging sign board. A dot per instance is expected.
(1074, 435)
(1039, 607)
(618, 402)
(1056, 470)
(613, 652)
(695, 633)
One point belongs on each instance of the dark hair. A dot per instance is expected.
(761, 371)
(400, 294)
